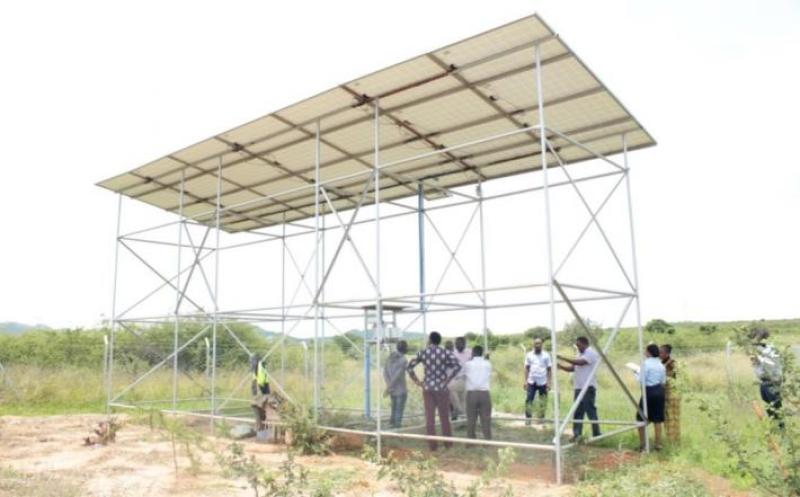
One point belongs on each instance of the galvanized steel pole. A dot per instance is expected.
(549, 247)
(110, 370)
(635, 282)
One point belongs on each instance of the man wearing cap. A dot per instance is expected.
(538, 373)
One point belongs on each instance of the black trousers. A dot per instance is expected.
(771, 395)
(588, 409)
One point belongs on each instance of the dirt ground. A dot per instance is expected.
(45, 456)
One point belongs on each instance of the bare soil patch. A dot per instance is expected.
(46, 456)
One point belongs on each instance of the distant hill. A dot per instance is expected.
(14, 328)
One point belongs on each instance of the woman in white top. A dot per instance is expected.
(653, 376)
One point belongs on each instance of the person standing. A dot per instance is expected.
(457, 387)
(440, 367)
(394, 374)
(582, 367)
(652, 376)
(259, 388)
(538, 374)
(477, 373)
(672, 411)
(769, 371)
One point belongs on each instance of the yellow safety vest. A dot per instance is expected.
(261, 374)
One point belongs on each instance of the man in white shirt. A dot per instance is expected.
(477, 372)
(538, 373)
(768, 368)
(458, 392)
(582, 367)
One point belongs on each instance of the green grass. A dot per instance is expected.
(45, 386)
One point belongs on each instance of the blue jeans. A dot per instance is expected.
(533, 389)
(398, 406)
(587, 408)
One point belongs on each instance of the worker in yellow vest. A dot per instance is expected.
(260, 391)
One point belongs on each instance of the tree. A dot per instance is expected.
(659, 326)
(573, 329)
(708, 329)
(540, 332)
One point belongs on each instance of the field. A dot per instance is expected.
(51, 397)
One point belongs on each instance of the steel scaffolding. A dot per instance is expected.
(324, 309)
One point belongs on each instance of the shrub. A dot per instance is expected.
(659, 326)
(417, 475)
(708, 329)
(768, 450)
(306, 436)
(540, 332)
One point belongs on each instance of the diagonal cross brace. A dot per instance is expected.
(197, 252)
(349, 238)
(592, 213)
(163, 278)
(344, 238)
(585, 387)
(596, 345)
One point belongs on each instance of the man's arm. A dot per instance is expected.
(568, 369)
(410, 368)
(578, 361)
(527, 371)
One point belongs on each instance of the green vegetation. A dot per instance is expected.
(652, 479)
(55, 372)
(417, 475)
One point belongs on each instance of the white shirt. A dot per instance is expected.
(583, 374)
(478, 371)
(537, 365)
(463, 356)
(768, 366)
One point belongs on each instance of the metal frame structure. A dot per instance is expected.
(324, 310)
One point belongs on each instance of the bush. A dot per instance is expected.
(659, 326)
(540, 332)
(306, 436)
(574, 329)
(767, 451)
(708, 329)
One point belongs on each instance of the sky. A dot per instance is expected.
(92, 89)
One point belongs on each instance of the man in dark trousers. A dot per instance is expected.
(440, 367)
(582, 366)
(394, 376)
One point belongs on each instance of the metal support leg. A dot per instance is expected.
(549, 247)
(283, 300)
(178, 296)
(110, 369)
(316, 273)
(483, 270)
(216, 297)
(421, 252)
(635, 281)
(322, 316)
(378, 297)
